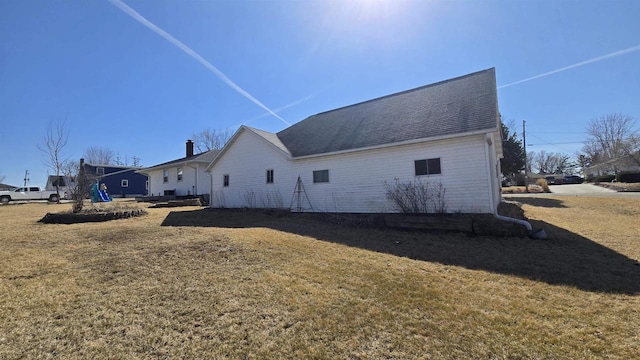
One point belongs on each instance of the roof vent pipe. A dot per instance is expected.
(189, 148)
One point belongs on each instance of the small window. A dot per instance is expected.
(59, 181)
(179, 174)
(269, 176)
(124, 183)
(100, 171)
(34, 189)
(146, 185)
(428, 167)
(320, 176)
(225, 180)
(165, 176)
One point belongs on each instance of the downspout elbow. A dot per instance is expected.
(539, 234)
(514, 220)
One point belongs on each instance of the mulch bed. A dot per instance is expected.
(84, 217)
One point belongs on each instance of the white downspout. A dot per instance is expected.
(195, 190)
(492, 203)
(210, 189)
(538, 234)
(514, 220)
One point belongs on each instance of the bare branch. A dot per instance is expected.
(99, 155)
(611, 137)
(210, 139)
(53, 146)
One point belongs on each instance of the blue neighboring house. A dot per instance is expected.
(121, 181)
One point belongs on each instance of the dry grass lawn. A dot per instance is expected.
(197, 283)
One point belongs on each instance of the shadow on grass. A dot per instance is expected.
(565, 259)
(538, 201)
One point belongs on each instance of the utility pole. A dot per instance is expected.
(524, 142)
(26, 177)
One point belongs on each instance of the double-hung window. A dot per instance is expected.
(269, 176)
(165, 176)
(179, 174)
(225, 180)
(428, 167)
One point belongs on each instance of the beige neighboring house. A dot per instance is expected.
(612, 167)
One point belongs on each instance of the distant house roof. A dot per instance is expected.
(461, 105)
(6, 187)
(119, 172)
(204, 157)
(121, 167)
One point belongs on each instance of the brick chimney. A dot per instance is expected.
(189, 148)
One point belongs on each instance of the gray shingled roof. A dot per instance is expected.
(204, 157)
(460, 105)
(271, 138)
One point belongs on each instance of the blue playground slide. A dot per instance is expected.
(103, 196)
(99, 195)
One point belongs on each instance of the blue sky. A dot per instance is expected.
(118, 84)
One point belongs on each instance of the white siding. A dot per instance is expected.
(356, 179)
(246, 162)
(190, 184)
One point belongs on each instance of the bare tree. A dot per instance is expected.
(52, 147)
(631, 149)
(99, 155)
(544, 162)
(610, 137)
(79, 184)
(135, 161)
(210, 139)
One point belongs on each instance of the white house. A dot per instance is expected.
(612, 167)
(447, 132)
(181, 177)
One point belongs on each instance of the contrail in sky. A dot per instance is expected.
(596, 59)
(290, 105)
(141, 19)
(299, 101)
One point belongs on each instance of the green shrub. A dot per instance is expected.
(629, 177)
(604, 178)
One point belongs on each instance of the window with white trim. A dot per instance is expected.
(124, 183)
(428, 167)
(165, 176)
(100, 171)
(321, 176)
(179, 174)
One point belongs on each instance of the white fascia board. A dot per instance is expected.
(401, 143)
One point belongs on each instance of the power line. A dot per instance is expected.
(560, 143)
(557, 132)
(549, 143)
